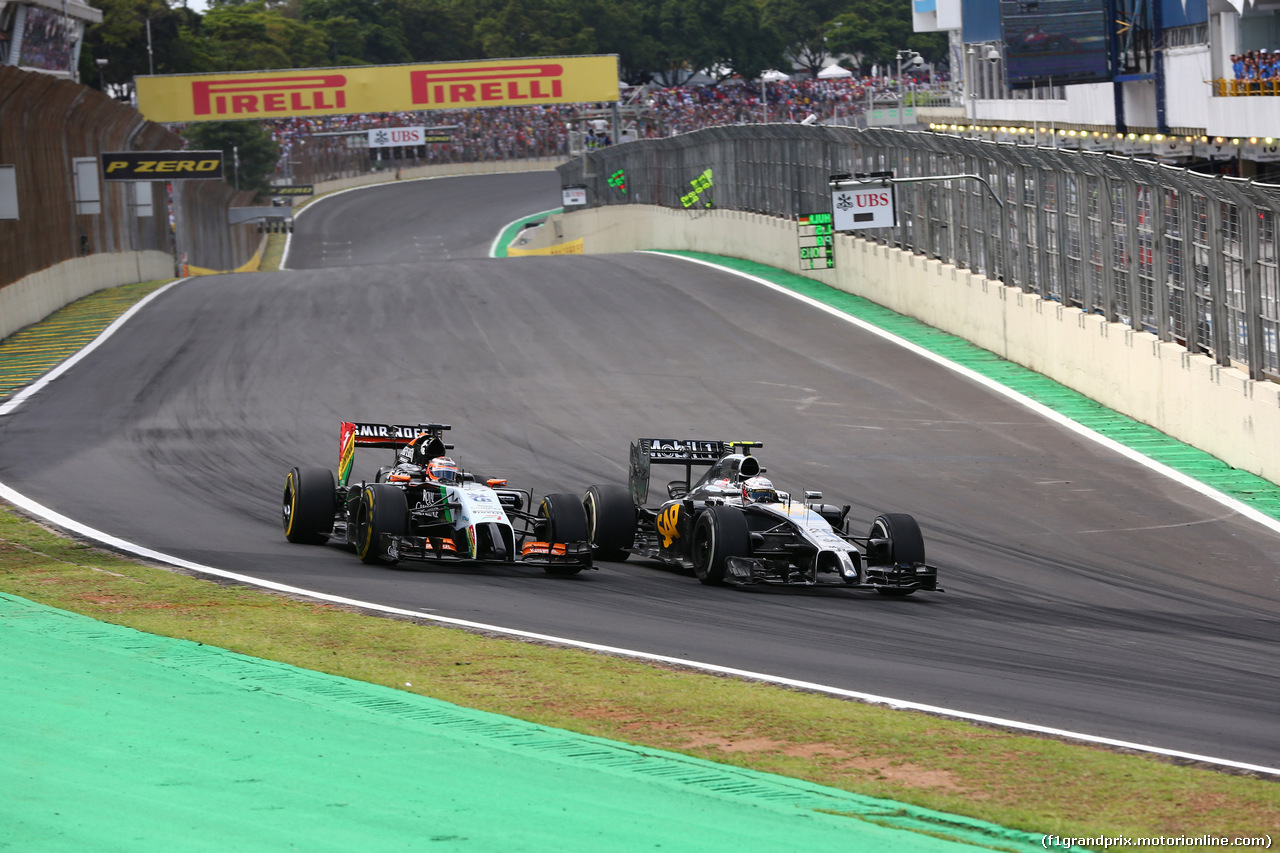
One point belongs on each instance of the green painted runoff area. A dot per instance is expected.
(122, 740)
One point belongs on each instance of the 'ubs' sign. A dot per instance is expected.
(855, 206)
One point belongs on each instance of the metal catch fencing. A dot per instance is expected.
(48, 127)
(1188, 257)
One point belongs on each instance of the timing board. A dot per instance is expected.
(816, 236)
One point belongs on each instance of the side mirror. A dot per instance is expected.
(677, 489)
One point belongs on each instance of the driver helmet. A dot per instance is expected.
(443, 470)
(759, 490)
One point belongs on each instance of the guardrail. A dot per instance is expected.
(1188, 257)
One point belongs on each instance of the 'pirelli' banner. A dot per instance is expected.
(161, 165)
(378, 89)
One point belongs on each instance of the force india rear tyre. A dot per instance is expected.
(906, 544)
(382, 509)
(562, 519)
(719, 533)
(611, 521)
(307, 506)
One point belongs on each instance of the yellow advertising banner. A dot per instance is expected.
(378, 88)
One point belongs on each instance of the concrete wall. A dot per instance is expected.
(1160, 384)
(38, 295)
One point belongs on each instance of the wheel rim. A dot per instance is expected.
(884, 534)
(542, 528)
(363, 532)
(703, 545)
(589, 506)
(290, 499)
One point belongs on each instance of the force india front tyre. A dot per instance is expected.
(561, 518)
(307, 506)
(611, 521)
(719, 533)
(382, 509)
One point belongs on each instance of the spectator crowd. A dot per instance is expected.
(1256, 65)
(325, 147)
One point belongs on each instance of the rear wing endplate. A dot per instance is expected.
(646, 452)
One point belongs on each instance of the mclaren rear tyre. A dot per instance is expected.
(906, 544)
(561, 519)
(611, 521)
(382, 509)
(719, 533)
(307, 506)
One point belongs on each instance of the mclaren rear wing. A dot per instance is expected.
(646, 452)
(393, 436)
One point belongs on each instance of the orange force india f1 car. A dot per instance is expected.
(424, 507)
(732, 526)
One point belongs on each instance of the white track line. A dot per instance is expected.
(79, 529)
(55, 518)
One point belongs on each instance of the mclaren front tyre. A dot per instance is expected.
(898, 543)
(719, 533)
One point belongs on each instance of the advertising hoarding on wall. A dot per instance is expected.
(161, 165)
(392, 137)
(856, 206)
(378, 89)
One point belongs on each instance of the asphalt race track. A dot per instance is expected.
(1084, 592)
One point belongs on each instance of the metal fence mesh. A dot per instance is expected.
(1188, 257)
(45, 124)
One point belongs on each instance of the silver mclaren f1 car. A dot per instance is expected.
(732, 526)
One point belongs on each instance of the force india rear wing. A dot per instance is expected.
(393, 436)
(646, 452)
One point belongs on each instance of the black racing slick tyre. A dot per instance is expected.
(906, 544)
(561, 518)
(611, 521)
(719, 533)
(308, 505)
(382, 509)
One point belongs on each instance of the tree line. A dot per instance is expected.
(666, 41)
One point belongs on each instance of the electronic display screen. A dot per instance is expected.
(1063, 41)
(48, 40)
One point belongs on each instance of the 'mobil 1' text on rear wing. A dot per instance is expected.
(676, 451)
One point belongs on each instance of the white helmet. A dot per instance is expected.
(759, 490)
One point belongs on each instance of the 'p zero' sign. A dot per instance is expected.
(162, 165)
(862, 205)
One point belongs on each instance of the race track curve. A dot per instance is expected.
(1083, 591)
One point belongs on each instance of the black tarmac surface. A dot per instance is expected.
(1083, 591)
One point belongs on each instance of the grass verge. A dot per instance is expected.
(1033, 784)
